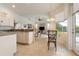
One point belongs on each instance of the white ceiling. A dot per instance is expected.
(31, 12)
(24, 9)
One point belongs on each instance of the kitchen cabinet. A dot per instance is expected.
(25, 36)
(7, 44)
(6, 22)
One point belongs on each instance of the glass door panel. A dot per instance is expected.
(77, 31)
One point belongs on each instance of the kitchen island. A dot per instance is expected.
(24, 36)
(10, 38)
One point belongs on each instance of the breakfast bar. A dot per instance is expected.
(24, 36)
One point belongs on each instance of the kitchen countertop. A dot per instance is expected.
(6, 33)
(26, 30)
(13, 31)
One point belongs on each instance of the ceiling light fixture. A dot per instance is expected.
(13, 6)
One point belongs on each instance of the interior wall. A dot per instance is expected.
(75, 7)
(68, 15)
(70, 29)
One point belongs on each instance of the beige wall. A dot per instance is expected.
(52, 25)
(62, 38)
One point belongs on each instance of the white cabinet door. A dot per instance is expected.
(8, 45)
(6, 22)
(30, 37)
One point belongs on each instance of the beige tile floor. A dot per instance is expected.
(39, 48)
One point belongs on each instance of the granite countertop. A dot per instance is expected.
(13, 31)
(27, 30)
(3, 33)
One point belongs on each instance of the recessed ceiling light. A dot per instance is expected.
(13, 6)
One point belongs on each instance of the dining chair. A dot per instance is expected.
(52, 38)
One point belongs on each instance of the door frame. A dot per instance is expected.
(73, 33)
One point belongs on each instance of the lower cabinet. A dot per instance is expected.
(8, 45)
(24, 37)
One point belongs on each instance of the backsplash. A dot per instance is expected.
(23, 26)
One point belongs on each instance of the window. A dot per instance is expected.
(62, 26)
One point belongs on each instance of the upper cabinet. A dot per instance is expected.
(6, 19)
(6, 22)
(75, 7)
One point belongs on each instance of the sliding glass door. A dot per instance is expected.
(75, 32)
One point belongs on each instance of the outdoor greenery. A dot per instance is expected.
(59, 28)
(77, 29)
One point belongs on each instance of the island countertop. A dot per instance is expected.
(26, 30)
(24, 36)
